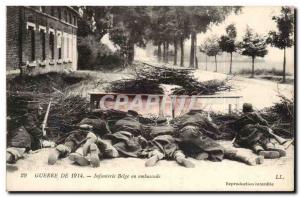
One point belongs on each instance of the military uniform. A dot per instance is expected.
(197, 138)
(23, 138)
(254, 133)
(195, 133)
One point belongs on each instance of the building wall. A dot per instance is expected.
(60, 21)
(12, 38)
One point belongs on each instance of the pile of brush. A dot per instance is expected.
(148, 78)
(281, 117)
(135, 86)
(65, 113)
(194, 87)
(65, 109)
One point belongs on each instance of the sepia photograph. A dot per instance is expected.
(150, 98)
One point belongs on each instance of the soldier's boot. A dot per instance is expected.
(152, 161)
(14, 154)
(181, 160)
(269, 154)
(90, 139)
(252, 161)
(271, 147)
(60, 151)
(94, 155)
(10, 158)
(108, 149)
(154, 158)
(235, 155)
(202, 156)
(282, 152)
(79, 159)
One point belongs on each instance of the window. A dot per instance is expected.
(70, 19)
(66, 16)
(43, 9)
(32, 43)
(67, 46)
(52, 11)
(43, 42)
(59, 13)
(51, 45)
(59, 42)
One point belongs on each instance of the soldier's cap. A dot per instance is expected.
(247, 107)
(132, 113)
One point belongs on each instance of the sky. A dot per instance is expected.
(257, 18)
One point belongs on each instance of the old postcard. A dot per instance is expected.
(150, 98)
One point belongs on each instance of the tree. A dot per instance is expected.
(283, 38)
(95, 20)
(253, 45)
(129, 28)
(227, 42)
(168, 28)
(200, 18)
(213, 49)
(203, 48)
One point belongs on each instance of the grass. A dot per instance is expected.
(273, 71)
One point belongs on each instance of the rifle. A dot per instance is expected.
(44, 124)
(276, 137)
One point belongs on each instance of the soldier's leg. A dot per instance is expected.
(94, 155)
(237, 156)
(90, 139)
(13, 154)
(78, 157)
(181, 160)
(154, 157)
(61, 150)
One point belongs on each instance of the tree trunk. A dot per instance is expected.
(159, 51)
(164, 51)
(230, 68)
(181, 51)
(284, 65)
(195, 52)
(192, 53)
(130, 53)
(167, 52)
(252, 73)
(216, 64)
(205, 62)
(175, 51)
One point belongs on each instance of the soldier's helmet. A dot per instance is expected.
(247, 107)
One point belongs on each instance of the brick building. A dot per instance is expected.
(41, 38)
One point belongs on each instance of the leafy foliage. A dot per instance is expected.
(227, 42)
(93, 55)
(212, 46)
(253, 45)
(283, 38)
